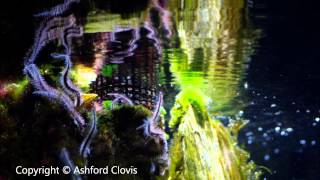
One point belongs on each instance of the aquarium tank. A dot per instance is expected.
(160, 90)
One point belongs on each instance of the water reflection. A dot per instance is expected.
(132, 71)
(208, 59)
(215, 44)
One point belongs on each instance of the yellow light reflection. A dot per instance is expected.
(83, 76)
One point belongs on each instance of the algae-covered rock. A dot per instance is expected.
(204, 148)
(119, 142)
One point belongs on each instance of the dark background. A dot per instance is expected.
(285, 71)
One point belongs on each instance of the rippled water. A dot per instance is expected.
(209, 49)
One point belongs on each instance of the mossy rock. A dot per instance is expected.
(202, 147)
(118, 142)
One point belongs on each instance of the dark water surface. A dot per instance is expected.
(284, 89)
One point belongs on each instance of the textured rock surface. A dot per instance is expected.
(204, 148)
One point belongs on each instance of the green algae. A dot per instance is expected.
(183, 100)
(16, 89)
(107, 104)
(108, 69)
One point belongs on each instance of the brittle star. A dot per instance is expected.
(85, 145)
(58, 9)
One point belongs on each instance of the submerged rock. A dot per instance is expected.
(120, 142)
(204, 148)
